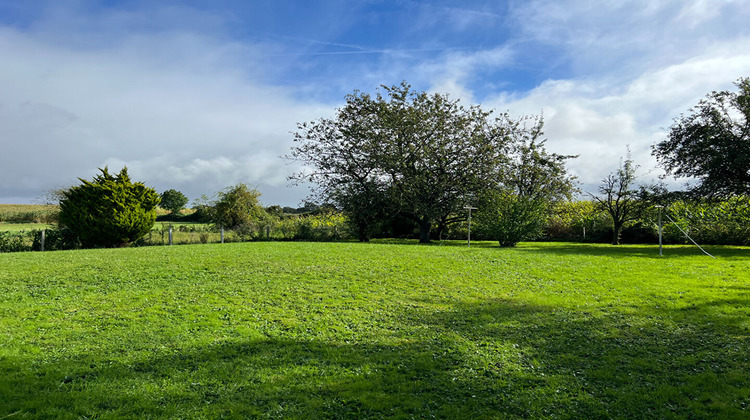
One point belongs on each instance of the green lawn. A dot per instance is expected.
(23, 227)
(337, 330)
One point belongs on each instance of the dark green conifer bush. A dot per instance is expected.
(109, 211)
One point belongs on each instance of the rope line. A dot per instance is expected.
(688, 236)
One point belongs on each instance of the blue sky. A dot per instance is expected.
(201, 95)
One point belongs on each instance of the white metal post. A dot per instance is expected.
(660, 207)
(468, 243)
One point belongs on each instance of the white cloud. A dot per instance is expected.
(175, 109)
(617, 37)
(598, 117)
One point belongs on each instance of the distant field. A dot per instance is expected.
(26, 217)
(27, 213)
(349, 330)
(24, 208)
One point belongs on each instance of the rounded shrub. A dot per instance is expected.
(109, 211)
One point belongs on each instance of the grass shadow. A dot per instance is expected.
(496, 358)
(641, 251)
(266, 378)
(662, 363)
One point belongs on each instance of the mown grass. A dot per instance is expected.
(23, 227)
(341, 330)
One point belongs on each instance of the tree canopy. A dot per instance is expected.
(110, 210)
(236, 207)
(409, 153)
(517, 206)
(173, 200)
(712, 144)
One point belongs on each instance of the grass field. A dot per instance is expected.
(23, 227)
(348, 330)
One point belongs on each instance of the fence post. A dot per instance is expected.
(222, 234)
(170, 235)
(44, 233)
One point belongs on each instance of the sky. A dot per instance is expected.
(202, 95)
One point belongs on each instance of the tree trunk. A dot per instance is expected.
(440, 230)
(363, 236)
(424, 230)
(616, 234)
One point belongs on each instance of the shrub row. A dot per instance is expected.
(724, 222)
(718, 223)
(325, 226)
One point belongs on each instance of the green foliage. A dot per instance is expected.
(173, 200)
(710, 222)
(13, 242)
(509, 218)
(237, 208)
(532, 172)
(409, 153)
(349, 330)
(712, 144)
(580, 221)
(324, 226)
(109, 211)
(528, 186)
(203, 210)
(55, 239)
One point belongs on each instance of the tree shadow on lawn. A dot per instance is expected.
(495, 358)
(690, 362)
(589, 249)
(644, 251)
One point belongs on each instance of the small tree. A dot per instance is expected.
(237, 207)
(529, 184)
(173, 200)
(509, 218)
(110, 210)
(204, 209)
(618, 196)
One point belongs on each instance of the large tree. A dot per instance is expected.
(417, 155)
(712, 144)
(110, 210)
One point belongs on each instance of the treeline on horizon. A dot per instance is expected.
(407, 164)
(708, 222)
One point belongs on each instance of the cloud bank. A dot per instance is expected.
(201, 99)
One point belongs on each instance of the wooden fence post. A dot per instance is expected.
(170, 235)
(44, 233)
